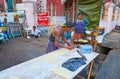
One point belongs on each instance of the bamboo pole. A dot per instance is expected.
(68, 12)
(73, 10)
(51, 11)
(51, 17)
(55, 16)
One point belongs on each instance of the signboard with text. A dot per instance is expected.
(42, 18)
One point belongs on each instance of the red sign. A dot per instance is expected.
(42, 18)
(40, 14)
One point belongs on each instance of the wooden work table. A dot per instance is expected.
(47, 66)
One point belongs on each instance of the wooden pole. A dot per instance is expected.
(51, 17)
(73, 10)
(68, 12)
(55, 16)
(51, 11)
(89, 73)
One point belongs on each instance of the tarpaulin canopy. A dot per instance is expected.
(91, 10)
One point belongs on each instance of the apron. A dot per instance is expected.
(79, 28)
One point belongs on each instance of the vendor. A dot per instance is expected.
(80, 26)
(56, 36)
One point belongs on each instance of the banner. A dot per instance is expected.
(42, 18)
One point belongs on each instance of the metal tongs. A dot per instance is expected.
(80, 53)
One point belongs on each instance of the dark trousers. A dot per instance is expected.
(32, 35)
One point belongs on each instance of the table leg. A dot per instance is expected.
(89, 73)
(94, 44)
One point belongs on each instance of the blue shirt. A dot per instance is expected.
(81, 25)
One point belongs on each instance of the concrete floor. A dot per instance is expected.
(18, 50)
